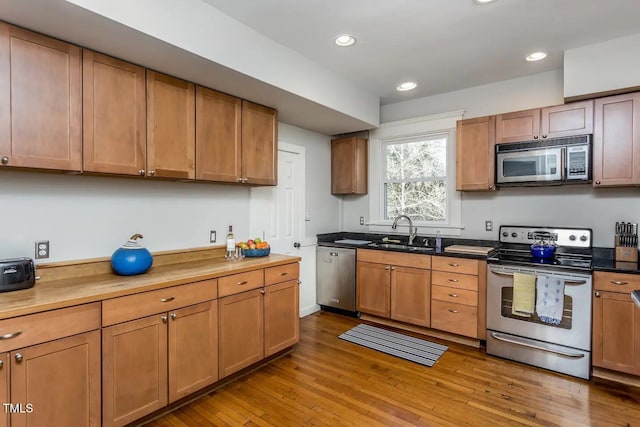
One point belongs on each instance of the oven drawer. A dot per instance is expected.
(455, 265)
(454, 280)
(455, 318)
(453, 295)
(615, 282)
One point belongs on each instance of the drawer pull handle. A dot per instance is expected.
(453, 311)
(244, 282)
(9, 336)
(167, 299)
(18, 357)
(284, 274)
(454, 295)
(173, 316)
(619, 282)
(454, 264)
(454, 280)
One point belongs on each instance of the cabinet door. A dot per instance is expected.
(281, 317)
(575, 118)
(518, 126)
(171, 127)
(410, 295)
(134, 369)
(40, 101)
(616, 332)
(241, 337)
(218, 136)
(114, 125)
(616, 145)
(60, 380)
(193, 349)
(259, 144)
(4, 387)
(349, 166)
(475, 155)
(373, 286)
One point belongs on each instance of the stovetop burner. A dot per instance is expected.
(573, 251)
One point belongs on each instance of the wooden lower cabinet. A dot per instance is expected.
(241, 339)
(156, 360)
(616, 332)
(281, 316)
(4, 387)
(373, 291)
(411, 295)
(56, 383)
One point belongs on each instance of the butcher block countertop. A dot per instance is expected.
(68, 284)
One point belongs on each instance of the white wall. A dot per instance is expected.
(580, 205)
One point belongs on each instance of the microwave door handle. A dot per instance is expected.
(563, 163)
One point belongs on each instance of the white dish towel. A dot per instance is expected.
(550, 299)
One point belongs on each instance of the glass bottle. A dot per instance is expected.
(231, 244)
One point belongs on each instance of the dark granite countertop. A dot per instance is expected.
(328, 239)
(603, 260)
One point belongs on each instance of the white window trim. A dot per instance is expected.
(437, 124)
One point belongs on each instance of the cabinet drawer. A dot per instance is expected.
(37, 328)
(122, 309)
(615, 282)
(454, 280)
(237, 283)
(281, 273)
(455, 318)
(453, 295)
(455, 265)
(394, 258)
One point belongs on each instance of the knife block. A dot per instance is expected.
(627, 254)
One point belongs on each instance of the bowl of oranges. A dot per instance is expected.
(254, 248)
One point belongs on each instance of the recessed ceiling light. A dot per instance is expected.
(403, 87)
(345, 40)
(536, 56)
(483, 1)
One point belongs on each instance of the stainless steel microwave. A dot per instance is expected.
(548, 162)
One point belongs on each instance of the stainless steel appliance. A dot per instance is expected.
(16, 273)
(336, 277)
(552, 161)
(564, 347)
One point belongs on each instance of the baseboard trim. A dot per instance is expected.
(304, 312)
(613, 376)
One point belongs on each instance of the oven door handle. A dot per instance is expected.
(511, 340)
(566, 282)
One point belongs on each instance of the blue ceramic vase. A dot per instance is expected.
(131, 258)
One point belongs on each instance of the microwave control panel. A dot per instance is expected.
(578, 162)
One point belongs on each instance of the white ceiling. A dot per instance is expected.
(443, 45)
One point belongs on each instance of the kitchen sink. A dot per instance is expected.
(400, 246)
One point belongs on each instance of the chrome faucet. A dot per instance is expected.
(412, 231)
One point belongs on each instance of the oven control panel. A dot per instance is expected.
(569, 237)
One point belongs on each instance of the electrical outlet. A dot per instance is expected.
(361, 220)
(42, 249)
(488, 225)
(212, 236)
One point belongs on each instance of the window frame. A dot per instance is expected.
(422, 127)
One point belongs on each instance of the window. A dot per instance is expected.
(415, 182)
(412, 172)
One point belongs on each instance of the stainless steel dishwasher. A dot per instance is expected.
(336, 277)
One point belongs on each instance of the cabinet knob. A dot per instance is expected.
(262, 291)
(18, 357)
(491, 187)
(393, 268)
(597, 294)
(1, 363)
(5, 160)
(544, 136)
(387, 267)
(535, 136)
(597, 182)
(245, 180)
(152, 172)
(142, 172)
(173, 316)
(164, 319)
(239, 179)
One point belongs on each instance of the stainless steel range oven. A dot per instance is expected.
(561, 344)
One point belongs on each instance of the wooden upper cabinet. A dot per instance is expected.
(40, 101)
(114, 115)
(616, 144)
(259, 144)
(475, 156)
(349, 166)
(171, 127)
(575, 118)
(218, 136)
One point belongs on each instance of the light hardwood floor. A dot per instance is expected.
(326, 381)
